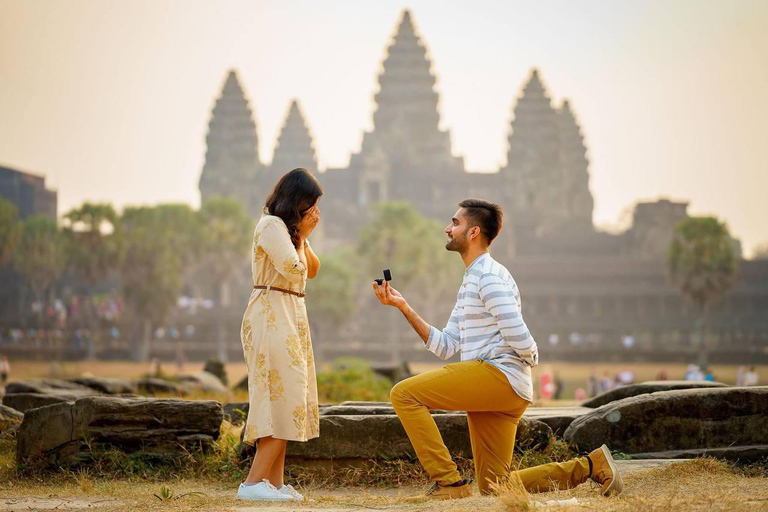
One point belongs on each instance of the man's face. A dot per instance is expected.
(457, 231)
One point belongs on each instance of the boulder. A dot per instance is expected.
(243, 384)
(558, 418)
(106, 385)
(744, 453)
(236, 412)
(383, 437)
(9, 418)
(152, 386)
(67, 432)
(204, 381)
(23, 402)
(643, 388)
(691, 419)
(49, 387)
(217, 368)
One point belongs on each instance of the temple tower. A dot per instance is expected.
(575, 168)
(406, 140)
(232, 161)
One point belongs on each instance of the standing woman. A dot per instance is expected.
(282, 387)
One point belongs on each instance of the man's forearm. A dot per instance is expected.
(421, 327)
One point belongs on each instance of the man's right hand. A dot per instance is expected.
(389, 296)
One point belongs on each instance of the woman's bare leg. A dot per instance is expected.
(277, 471)
(269, 449)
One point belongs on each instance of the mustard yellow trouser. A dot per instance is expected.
(493, 411)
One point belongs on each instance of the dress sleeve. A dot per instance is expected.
(276, 243)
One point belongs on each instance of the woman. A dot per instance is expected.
(282, 388)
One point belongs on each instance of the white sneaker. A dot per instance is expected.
(288, 490)
(262, 491)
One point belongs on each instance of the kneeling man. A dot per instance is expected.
(492, 383)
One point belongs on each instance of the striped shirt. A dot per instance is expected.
(487, 324)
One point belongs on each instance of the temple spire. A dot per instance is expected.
(575, 165)
(232, 157)
(295, 147)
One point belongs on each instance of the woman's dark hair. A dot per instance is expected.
(295, 193)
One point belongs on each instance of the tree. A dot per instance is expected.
(10, 231)
(152, 268)
(333, 294)
(702, 262)
(40, 255)
(401, 239)
(95, 250)
(225, 242)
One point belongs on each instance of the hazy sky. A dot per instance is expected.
(111, 99)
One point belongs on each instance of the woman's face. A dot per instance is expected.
(308, 210)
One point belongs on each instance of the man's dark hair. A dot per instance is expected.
(484, 214)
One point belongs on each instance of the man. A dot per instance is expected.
(493, 381)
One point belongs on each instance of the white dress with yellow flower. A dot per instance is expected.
(282, 386)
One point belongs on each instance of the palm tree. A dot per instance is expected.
(702, 262)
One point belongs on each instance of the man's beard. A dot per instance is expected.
(457, 244)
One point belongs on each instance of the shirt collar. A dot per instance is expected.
(477, 261)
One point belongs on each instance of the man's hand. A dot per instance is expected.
(309, 221)
(389, 296)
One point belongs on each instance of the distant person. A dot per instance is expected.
(662, 375)
(5, 370)
(740, 373)
(558, 387)
(606, 383)
(554, 339)
(694, 373)
(282, 395)
(180, 360)
(493, 380)
(628, 341)
(579, 394)
(751, 378)
(625, 378)
(593, 385)
(708, 375)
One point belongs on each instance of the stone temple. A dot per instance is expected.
(575, 278)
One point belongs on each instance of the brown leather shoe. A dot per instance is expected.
(440, 492)
(605, 472)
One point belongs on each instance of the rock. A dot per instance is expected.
(743, 453)
(152, 385)
(49, 387)
(204, 381)
(691, 419)
(243, 384)
(647, 387)
(57, 434)
(23, 402)
(9, 418)
(106, 385)
(236, 413)
(558, 418)
(217, 368)
(383, 437)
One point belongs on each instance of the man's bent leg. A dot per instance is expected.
(554, 476)
(467, 386)
(493, 439)
(422, 430)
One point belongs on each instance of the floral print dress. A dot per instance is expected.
(282, 386)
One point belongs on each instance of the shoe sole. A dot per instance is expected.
(264, 499)
(617, 484)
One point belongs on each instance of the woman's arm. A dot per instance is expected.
(313, 262)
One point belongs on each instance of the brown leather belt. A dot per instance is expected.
(275, 288)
